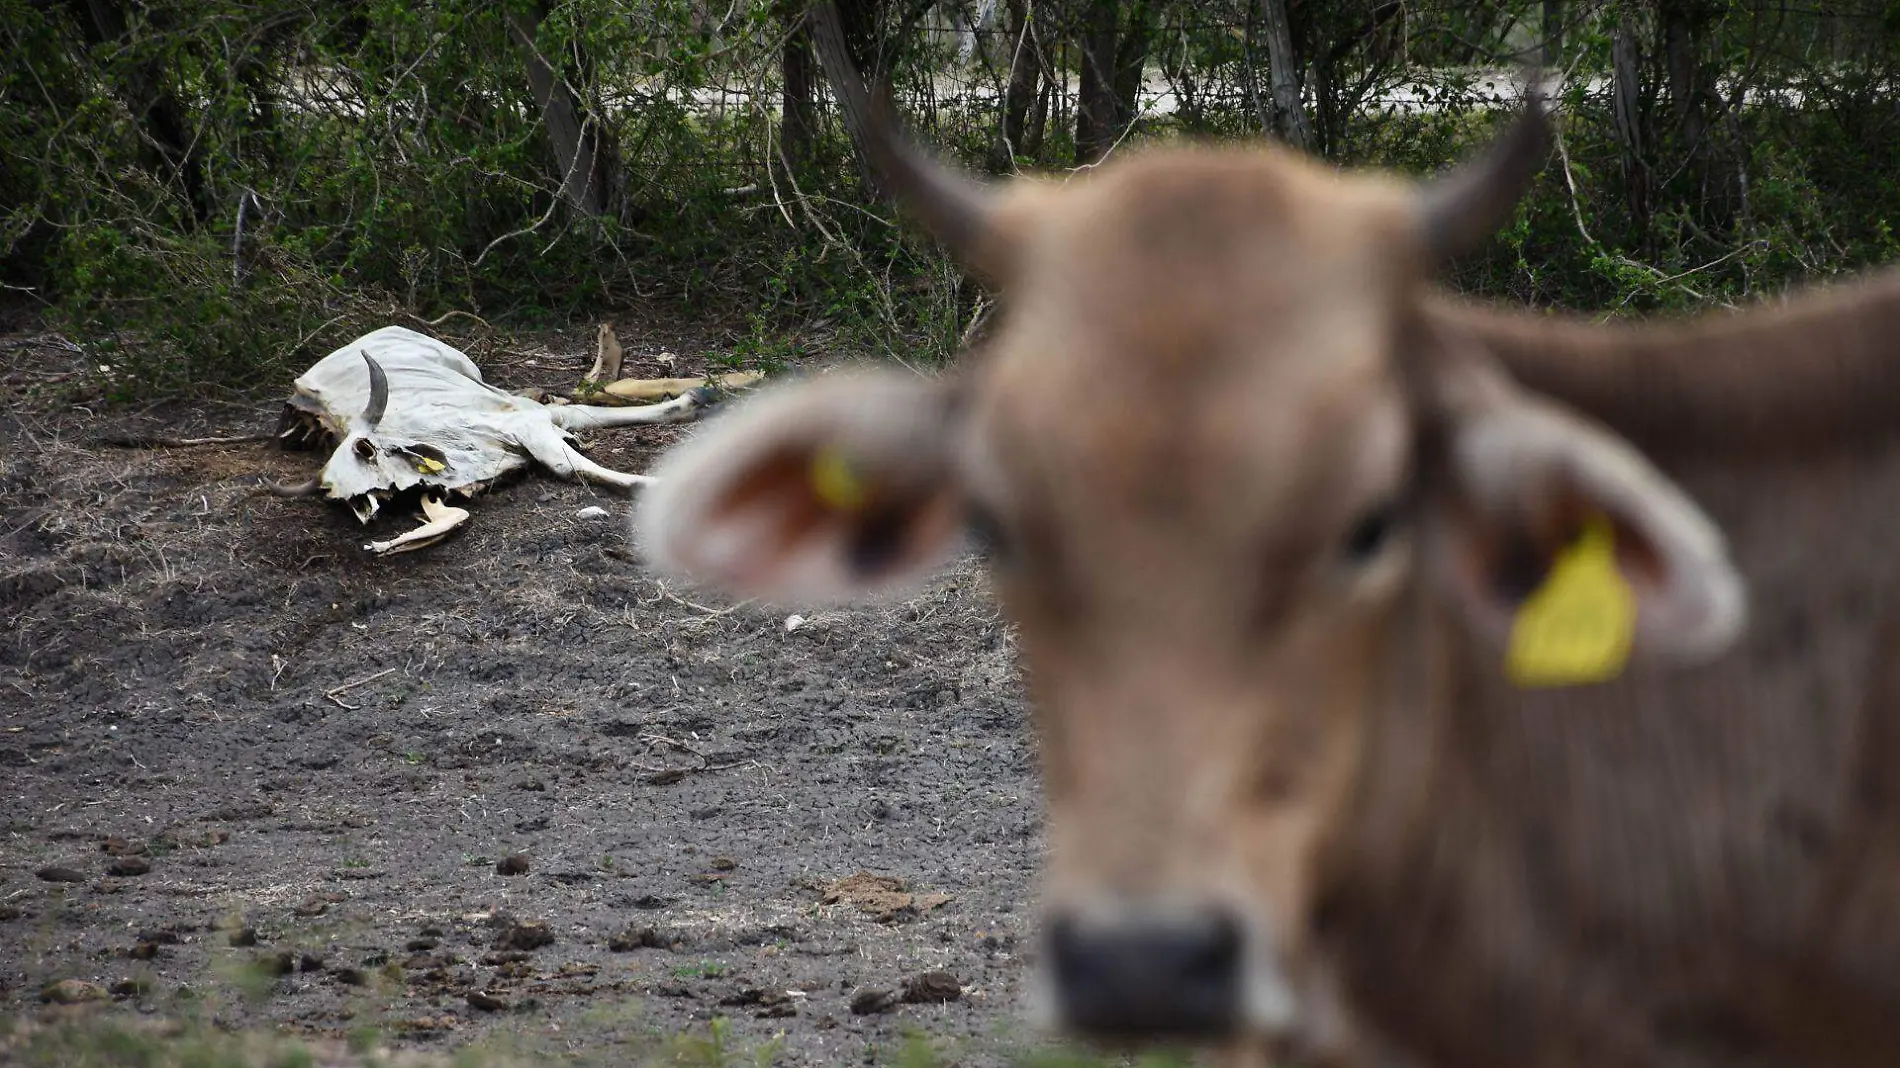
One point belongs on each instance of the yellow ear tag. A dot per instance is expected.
(835, 482)
(428, 465)
(1578, 626)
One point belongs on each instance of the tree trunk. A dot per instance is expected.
(825, 24)
(1283, 73)
(583, 151)
(1095, 110)
(1025, 77)
(1683, 24)
(1627, 120)
(1039, 116)
(1113, 58)
(797, 123)
(156, 110)
(1553, 28)
(1131, 61)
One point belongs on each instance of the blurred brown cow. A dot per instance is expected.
(1266, 506)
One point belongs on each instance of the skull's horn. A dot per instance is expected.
(293, 489)
(378, 392)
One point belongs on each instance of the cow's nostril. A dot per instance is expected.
(1148, 976)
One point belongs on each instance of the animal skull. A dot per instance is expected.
(406, 412)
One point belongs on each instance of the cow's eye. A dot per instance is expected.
(1372, 532)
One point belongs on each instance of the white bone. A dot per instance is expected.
(441, 520)
(445, 428)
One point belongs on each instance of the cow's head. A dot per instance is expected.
(1216, 455)
(371, 461)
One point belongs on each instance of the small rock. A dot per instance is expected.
(244, 937)
(350, 976)
(772, 1004)
(501, 958)
(932, 988)
(793, 622)
(486, 1002)
(72, 992)
(526, 935)
(636, 938)
(124, 847)
(724, 864)
(58, 874)
(10, 912)
(592, 511)
(277, 963)
(143, 951)
(318, 904)
(513, 864)
(421, 945)
(126, 867)
(130, 988)
(310, 962)
(867, 1002)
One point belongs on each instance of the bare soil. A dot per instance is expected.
(251, 772)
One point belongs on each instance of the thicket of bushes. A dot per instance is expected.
(222, 190)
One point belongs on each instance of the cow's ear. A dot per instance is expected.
(822, 490)
(1565, 541)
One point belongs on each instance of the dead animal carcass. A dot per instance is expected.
(403, 411)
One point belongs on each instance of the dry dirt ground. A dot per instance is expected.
(251, 774)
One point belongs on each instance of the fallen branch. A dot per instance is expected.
(452, 313)
(155, 441)
(335, 694)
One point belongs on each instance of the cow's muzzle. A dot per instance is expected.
(1139, 976)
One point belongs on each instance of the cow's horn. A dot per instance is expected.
(378, 392)
(954, 207)
(1460, 210)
